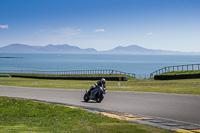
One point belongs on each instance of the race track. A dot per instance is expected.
(185, 108)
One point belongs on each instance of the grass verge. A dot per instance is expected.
(73, 75)
(17, 115)
(184, 86)
(182, 72)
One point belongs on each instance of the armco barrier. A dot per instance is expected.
(181, 76)
(109, 78)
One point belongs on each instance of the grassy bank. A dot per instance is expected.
(182, 72)
(186, 86)
(18, 115)
(72, 75)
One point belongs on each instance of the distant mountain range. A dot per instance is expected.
(65, 48)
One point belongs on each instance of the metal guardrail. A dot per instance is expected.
(109, 71)
(176, 68)
(69, 72)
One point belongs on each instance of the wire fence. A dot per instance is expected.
(69, 72)
(189, 67)
(109, 71)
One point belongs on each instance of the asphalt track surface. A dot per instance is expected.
(179, 107)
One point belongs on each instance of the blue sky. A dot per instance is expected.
(102, 24)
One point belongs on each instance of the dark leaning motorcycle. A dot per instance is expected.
(97, 94)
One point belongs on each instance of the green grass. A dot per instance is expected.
(182, 72)
(24, 116)
(185, 86)
(72, 75)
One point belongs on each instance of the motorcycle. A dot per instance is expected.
(96, 94)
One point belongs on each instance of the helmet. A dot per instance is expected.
(103, 81)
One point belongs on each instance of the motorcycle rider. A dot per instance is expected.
(101, 83)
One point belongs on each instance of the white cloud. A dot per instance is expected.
(58, 36)
(69, 31)
(4, 26)
(99, 30)
(42, 30)
(149, 34)
(64, 32)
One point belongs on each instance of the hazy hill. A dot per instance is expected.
(65, 48)
(135, 49)
(19, 48)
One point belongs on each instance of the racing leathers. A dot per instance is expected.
(98, 84)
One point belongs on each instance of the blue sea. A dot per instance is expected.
(138, 64)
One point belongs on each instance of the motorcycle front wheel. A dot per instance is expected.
(99, 98)
(86, 98)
